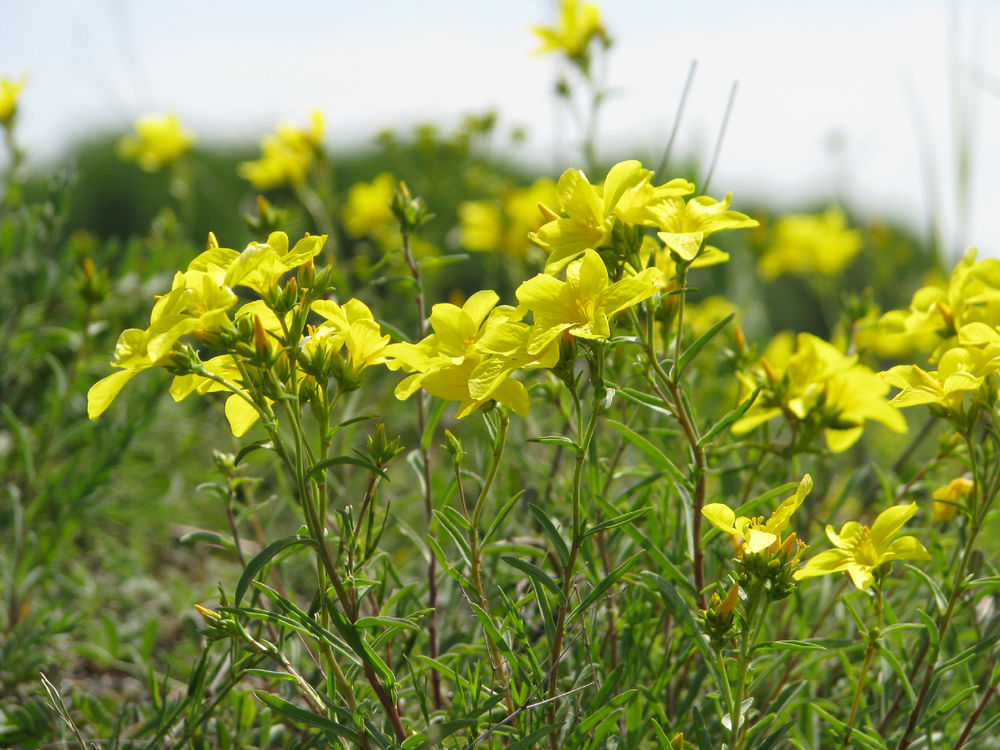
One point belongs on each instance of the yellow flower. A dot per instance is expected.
(578, 25)
(822, 387)
(581, 305)
(961, 370)
(947, 499)
(972, 295)
(452, 364)
(860, 550)
(684, 224)
(366, 211)
(352, 327)
(261, 265)
(10, 92)
(195, 304)
(591, 212)
(158, 142)
(505, 225)
(810, 242)
(286, 156)
(758, 534)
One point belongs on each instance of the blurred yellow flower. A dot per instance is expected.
(158, 142)
(10, 92)
(366, 211)
(948, 498)
(860, 550)
(578, 25)
(820, 386)
(286, 155)
(971, 295)
(504, 225)
(810, 242)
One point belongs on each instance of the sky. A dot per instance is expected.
(867, 104)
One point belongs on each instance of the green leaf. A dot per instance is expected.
(265, 556)
(441, 260)
(772, 739)
(360, 646)
(653, 453)
(967, 655)
(700, 343)
(729, 418)
(857, 735)
(701, 732)
(307, 718)
(208, 536)
(939, 598)
(535, 574)
(446, 566)
(603, 585)
(613, 523)
(810, 644)
(558, 543)
(490, 627)
(501, 514)
(246, 450)
(900, 671)
(456, 529)
(432, 422)
(561, 440)
(645, 399)
(533, 739)
(932, 629)
(315, 472)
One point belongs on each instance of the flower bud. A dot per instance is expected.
(260, 341)
(454, 447)
(381, 449)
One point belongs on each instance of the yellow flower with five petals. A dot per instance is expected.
(581, 305)
(860, 550)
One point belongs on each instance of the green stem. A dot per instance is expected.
(475, 551)
(574, 550)
(757, 599)
(873, 638)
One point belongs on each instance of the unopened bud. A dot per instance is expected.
(454, 447)
(731, 600)
(213, 242)
(772, 378)
(260, 342)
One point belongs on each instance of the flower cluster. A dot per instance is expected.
(765, 555)
(817, 387)
(964, 318)
(268, 351)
